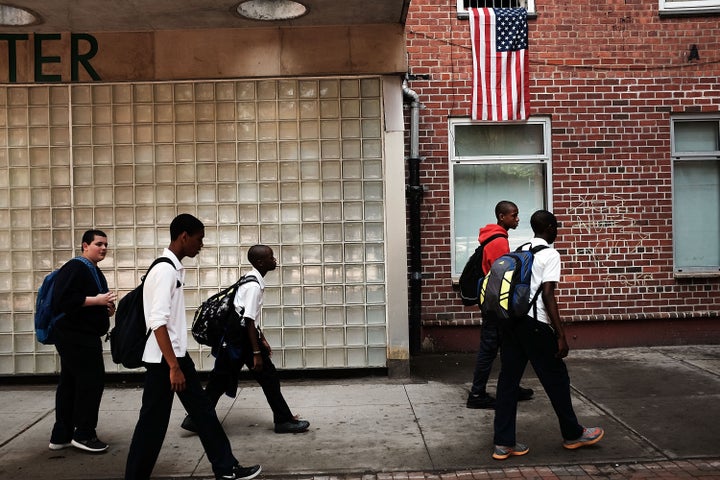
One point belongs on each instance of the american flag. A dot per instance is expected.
(501, 64)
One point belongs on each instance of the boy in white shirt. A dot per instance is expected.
(252, 349)
(170, 369)
(540, 339)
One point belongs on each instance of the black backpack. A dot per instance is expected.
(473, 273)
(213, 315)
(505, 290)
(130, 333)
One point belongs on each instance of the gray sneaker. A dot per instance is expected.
(589, 437)
(501, 453)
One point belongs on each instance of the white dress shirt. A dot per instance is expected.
(164, 304)
(546, 268)
(250, 296)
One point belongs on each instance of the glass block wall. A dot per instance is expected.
(293, 163)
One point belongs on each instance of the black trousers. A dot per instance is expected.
(529, 340)
(79, 390)
(488, 350)
(225, 374)
(152, 425)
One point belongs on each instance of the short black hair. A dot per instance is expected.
(256, 252)
(185, 223)
(90, 235)
(542, 220)
(504, 206)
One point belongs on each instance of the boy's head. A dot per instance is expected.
(186, 235)
(506, 213)
(94, 245)
(185, 223)
(262, 258)
(544, 225)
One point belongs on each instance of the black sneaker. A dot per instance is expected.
(293, 426)
(242, 473)
(525, 394)
(188, 424)
(92, 445)
(480, 401)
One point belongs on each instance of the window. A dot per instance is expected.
(689, 6)
(490, 162)
(463, 5)
(696, 194)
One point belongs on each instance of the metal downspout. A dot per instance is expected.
(414, 194)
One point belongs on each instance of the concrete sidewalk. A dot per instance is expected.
(660, 408)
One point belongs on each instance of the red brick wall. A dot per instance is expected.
(609, 75)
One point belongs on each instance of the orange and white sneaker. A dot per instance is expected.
(589, 436)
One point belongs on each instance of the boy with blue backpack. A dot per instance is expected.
(538, 337)
(81, 294)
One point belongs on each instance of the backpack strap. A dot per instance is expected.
(102, 286)
(155, 262)
(242, 281)
(534, 250)
(491, 238)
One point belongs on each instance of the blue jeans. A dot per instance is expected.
(529, 340)
(154, 418)
(488, 350)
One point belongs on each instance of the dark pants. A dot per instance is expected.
(533, 341)
(79, 391)
(225, 374)
(152, 425)
(488, 350)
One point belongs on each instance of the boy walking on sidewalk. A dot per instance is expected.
(170, 369)
(540, 339)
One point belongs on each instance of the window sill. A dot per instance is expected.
(698, 274)
(686, 12)
(465, 15)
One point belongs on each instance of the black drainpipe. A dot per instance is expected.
(414, 194)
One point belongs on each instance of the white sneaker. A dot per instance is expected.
(59, 446)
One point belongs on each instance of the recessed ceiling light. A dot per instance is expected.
(270, 10)
(15, 16)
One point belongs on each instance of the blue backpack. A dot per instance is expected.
(505, 290)
(45, 319)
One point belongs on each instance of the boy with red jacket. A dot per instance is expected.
(507, 217)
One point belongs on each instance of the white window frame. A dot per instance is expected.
(685, 271)
(544, 159)
(463, 13)
(689, 6)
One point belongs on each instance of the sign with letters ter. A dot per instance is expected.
(41, 48)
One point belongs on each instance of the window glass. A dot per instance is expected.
(490, 163)
(696, 194)
(697, 214)
(472, 140)
(479, 187)
(696, 136)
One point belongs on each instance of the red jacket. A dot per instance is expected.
(496, 248)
